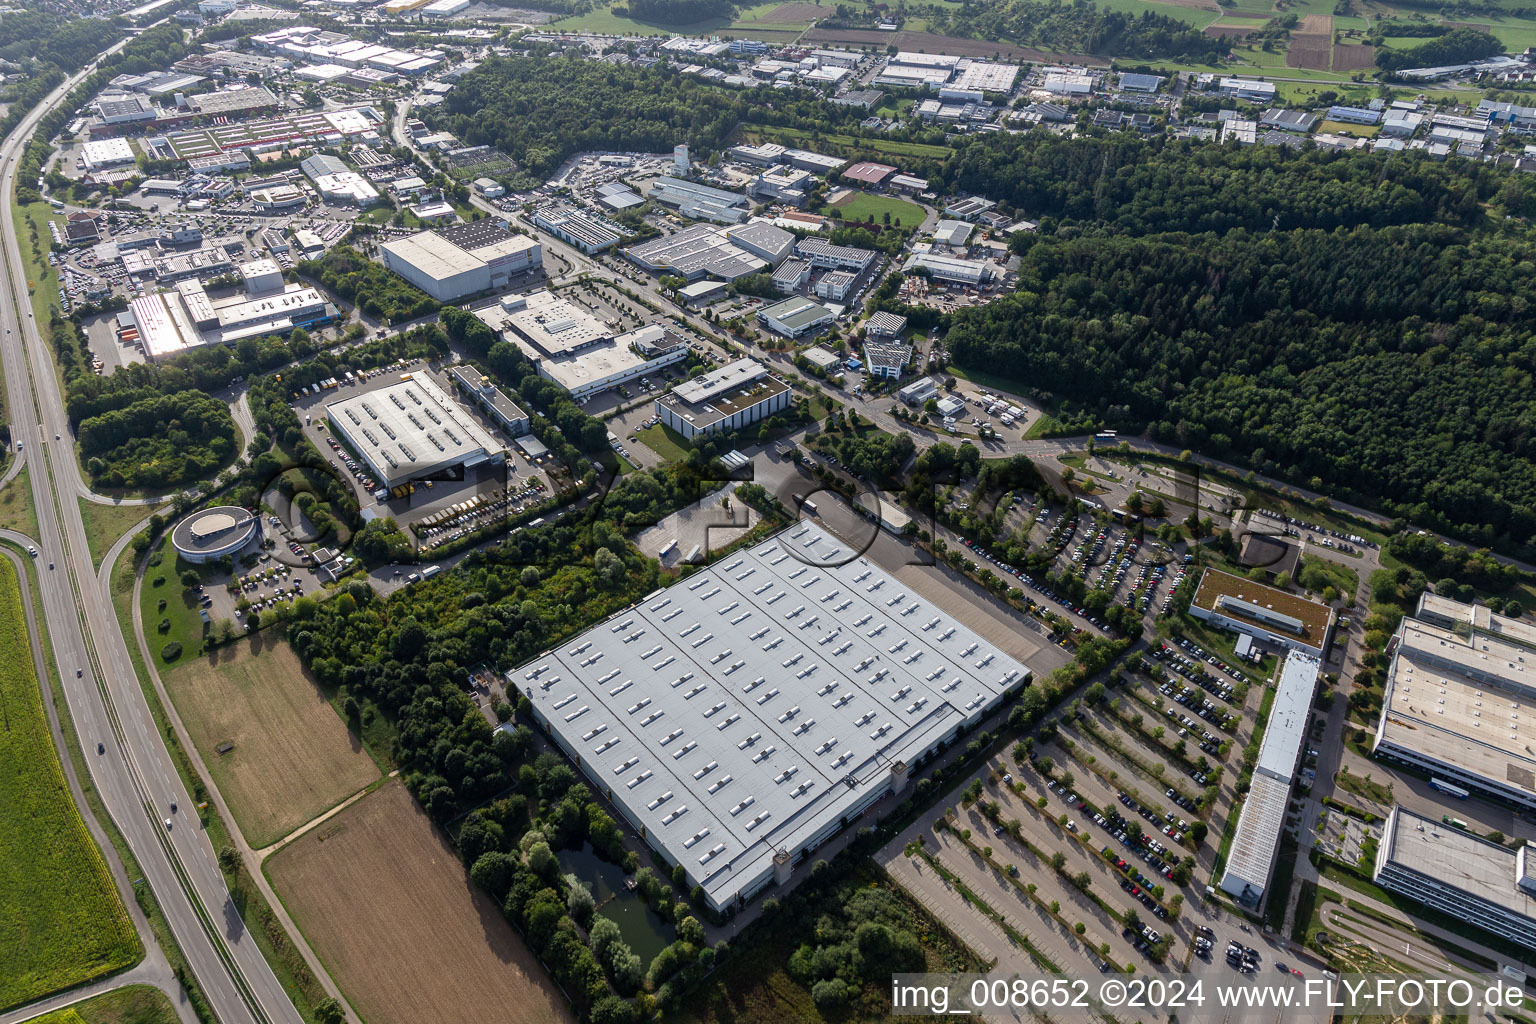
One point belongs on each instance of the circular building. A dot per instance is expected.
(214, 532)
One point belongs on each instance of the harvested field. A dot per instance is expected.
(928, 42)
(292, 756)
(1312, 43)
(1229, 31)
(1353, 58)
(392, 913)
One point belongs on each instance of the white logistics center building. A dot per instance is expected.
(729, 398)
(449, 263)
(411, 431)
(740, 717)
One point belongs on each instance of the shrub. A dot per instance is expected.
(171, 651)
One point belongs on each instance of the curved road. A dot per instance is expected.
(135, 775)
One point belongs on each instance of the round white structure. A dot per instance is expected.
(212, 533)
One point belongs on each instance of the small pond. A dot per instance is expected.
(646, 933)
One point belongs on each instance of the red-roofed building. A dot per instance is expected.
(869, 174)
(82, 227)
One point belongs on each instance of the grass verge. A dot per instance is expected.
(106, 524)
(16, 509)
(135, 1004)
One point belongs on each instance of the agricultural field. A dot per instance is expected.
(135, 1004)
(273, 744)
(772, 22)
(861, 206)
(63, 923)
(1312, 43)
(383, 900)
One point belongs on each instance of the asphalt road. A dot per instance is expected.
(134, 774)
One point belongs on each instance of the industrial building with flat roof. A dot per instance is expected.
(1464, 875)
(1264, 613)
(576, 350)
(490, 399)
(794, 316)
(172, 322)
(700, 202)
(585, 231)
(726, 399)
(1457, 696)
(743, 716)
(452, 262)
(950, 269)
(694, 252)
(411, 430)
(820, 253)
(1257, 841)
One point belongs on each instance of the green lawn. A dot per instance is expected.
(865, 207)
(105, 524)
(1189, 15)
(182, 623)
(136, 1004)
(16, 511)
(63, 923)
(664, 441)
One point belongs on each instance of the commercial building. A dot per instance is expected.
(694, 252)
(1457, 696)
(573, 348)
(104, 153)
(274, 198)
(1130, 82)
(585, 231)
(212, 533)
(1067, 85)
(743, 716)
(490, 188)
(1247, 89)
(1354, 115)
(764, 155)
(886, 359)
(791, 275)
(172, 322)
(823, 254)
(763, 240)
(919, 391)
(1262, 612)
(816, 163)
(411, 431)
(1288, 120)
(969, 209)
(794, 316)
(126, 109)
(1461, 874)
(950, 269)
(701, 293)
(885, 325)
(700, 202)
(981, 76)
(451, 262)
(1259, 824)
(835, 285)
(868, 174)
(233, 102)
(953, 233)
(617, 196)
(490, 399)
(724, 400)
(781, 184)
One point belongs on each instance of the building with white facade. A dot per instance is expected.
(410, 431)
(795, 316)
(463, 259)
(700, 202)
(1251, 863)
(1461, 874)
(726, 399)
(1269, 615)
(746, 714)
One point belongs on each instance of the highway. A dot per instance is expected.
(134, 774)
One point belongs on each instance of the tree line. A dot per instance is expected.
(1080, 26)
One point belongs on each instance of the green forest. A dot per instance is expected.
(1455, 47)
(521, 105)
(1080, 26)
(1359, 324)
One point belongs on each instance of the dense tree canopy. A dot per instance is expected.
(680, 12)
(523, 106)
(1392, 366)
(1455, 47)
(1080, 26)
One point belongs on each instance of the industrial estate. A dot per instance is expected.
(685, 511)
